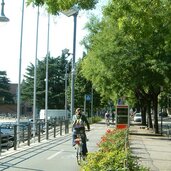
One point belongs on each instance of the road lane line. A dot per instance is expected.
(54, 155)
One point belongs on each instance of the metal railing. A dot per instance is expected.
(56, 126)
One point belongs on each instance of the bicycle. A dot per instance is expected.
(78, 146)
(107, 121)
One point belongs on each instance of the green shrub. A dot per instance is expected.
(94, 119)
(113, 154)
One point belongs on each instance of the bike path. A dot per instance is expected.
(51, 155)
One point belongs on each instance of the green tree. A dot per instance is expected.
(56, 6)
(129, 50)
(84, 87)
(5, 96)
(56, 83)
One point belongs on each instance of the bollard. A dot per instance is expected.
(168, 131)
(15, 137)
(7, 142)
(47, 130)
(39, 132)
(29, 134)
(0, 142)
(60, 122)
(65, 121)
(23, 134)
(161, 129)
(66, 126)
(55, 127)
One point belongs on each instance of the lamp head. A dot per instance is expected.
(72, 11)
(65, 51)
(3, 18)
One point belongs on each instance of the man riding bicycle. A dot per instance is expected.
(78, 127)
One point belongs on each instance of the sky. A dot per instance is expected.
(61, 36)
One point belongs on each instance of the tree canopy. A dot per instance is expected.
(129, 49)
(84, 87)
(5, 96)
(56, 6)
(56, 83)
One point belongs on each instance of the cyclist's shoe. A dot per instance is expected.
(84, 157)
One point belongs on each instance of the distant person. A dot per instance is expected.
(78, 127)
(131, 112)
(107, 118)
(113, 116)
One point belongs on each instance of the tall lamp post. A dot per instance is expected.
(73, 12)
(66, 52)
(35, 77)
(66, 90)
(46, 91)
(19, 74)
(3, 18)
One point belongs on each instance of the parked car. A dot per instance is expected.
(7, 129)
(137, 117)
(163, 114)
(6, 140)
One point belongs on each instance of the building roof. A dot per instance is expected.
(13, 88)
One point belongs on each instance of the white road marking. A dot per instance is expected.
(54, 155)
(69, 156)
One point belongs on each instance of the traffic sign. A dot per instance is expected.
(88, 97)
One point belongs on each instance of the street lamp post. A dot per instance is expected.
(66, 52)
(46, 91)
(73, 12)
(35, 77)
(3, 18)
(19, 74)
(66, 89)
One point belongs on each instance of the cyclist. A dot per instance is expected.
(79, 121)
(107, 118)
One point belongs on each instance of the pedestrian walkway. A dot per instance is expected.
(154, 151)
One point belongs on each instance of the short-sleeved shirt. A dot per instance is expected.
(80, 122)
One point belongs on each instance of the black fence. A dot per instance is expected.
(13, 135)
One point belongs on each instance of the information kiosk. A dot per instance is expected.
(122, 116)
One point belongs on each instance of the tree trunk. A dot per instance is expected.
(143, 112)
(149, 119)
(155, 104)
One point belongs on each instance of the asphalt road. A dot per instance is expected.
(52, 155)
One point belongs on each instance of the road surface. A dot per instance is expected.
(51, 155)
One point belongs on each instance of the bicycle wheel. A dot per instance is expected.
(79, 155)
(107, 122)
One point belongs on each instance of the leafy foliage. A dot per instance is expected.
(56, 83)
(133, 39)
(129, 50)
(84, 87)
(5, 96)
(112, 154)
(56, 6)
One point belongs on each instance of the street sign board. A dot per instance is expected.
(122, 116)
(88, 97)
